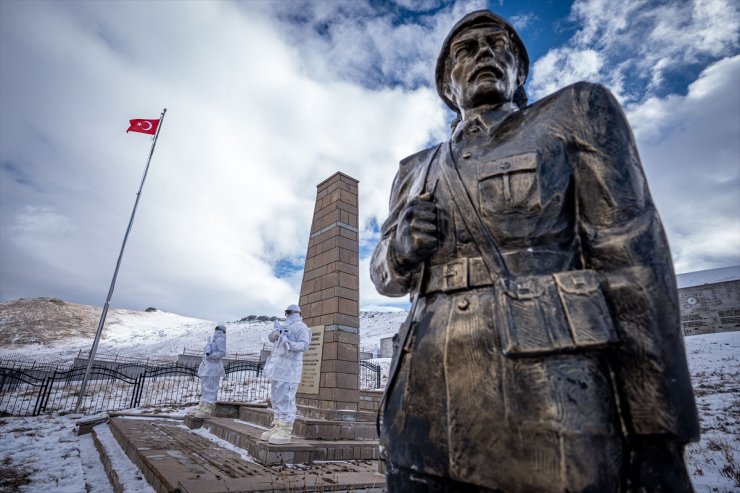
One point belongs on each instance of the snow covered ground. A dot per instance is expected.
(43, 454)
(714, 361)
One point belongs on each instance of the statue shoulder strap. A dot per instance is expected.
(470, 215)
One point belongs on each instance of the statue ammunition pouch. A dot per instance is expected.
(566, 311)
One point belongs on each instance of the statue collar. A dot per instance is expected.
(484, 122)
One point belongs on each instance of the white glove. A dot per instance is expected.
(285, 341)
(276, 325)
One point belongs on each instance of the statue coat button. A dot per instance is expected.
(463, 304)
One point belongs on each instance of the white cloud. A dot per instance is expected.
(247, 136)
(370, 297)
(643, 41)
(41, 221)
(520, 22)
(267, 99)
(418, 5)
(564, 66)
(690, 148)
(689, 143)
(363, 42)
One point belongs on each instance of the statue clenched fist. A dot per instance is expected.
(417, 236)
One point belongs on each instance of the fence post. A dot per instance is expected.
(137, 382)
(141, 388)
(40, 398)
(49, 388)
(137, 402)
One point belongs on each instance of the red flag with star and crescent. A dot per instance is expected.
(143, 126)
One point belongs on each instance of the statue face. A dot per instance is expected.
(482, 68)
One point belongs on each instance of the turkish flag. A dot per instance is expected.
(143, 126)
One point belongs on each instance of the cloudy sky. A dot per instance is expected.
(266, 99)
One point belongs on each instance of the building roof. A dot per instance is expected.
(710, 276)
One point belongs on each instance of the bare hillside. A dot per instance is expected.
(45, 321)
(51, 321)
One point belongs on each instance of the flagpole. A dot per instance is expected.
(91, 357)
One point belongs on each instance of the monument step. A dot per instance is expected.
(337, 414)
(173, 458)
(311, 428)
(105, 459)
(300, 451)
(234, 410)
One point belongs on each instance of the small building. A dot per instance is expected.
(386, 347)
(710, 300)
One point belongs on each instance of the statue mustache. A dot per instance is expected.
(487, 67)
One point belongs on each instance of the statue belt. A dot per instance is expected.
(458, 274)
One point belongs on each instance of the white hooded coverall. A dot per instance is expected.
(285, 364)
(212, 368)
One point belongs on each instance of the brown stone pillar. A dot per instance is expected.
(330, 294)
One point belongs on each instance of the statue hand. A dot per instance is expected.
(658, 466)
(417, 236)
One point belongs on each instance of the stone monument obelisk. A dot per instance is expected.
(330, 303)
(336, 420)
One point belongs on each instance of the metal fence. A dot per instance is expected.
(84, 354)
(198, 353)
(369, 375)
(35, 389)
(30, 388)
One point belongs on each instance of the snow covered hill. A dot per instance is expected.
(49, 329)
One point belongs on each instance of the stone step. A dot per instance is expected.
(311, 428)
(236, 410)
(300, 451)
(105, 460)
(362, 415)
(175, 459)
(122, 474)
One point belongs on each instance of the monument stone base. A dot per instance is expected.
(314, 438)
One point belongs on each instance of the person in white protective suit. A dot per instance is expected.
(211, 370)
(291, 339)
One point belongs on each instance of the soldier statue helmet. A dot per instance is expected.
(482, 18)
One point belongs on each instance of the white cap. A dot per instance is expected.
(293, 308)
(221, 327)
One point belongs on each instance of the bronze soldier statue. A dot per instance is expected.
(543, 350)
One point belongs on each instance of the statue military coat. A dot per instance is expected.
(560, 188)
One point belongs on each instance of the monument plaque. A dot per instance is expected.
(310, 378)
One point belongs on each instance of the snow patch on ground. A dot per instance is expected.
(46, 450)
(128, 473)
(96, 481)
(222, 443)
(714, 362)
